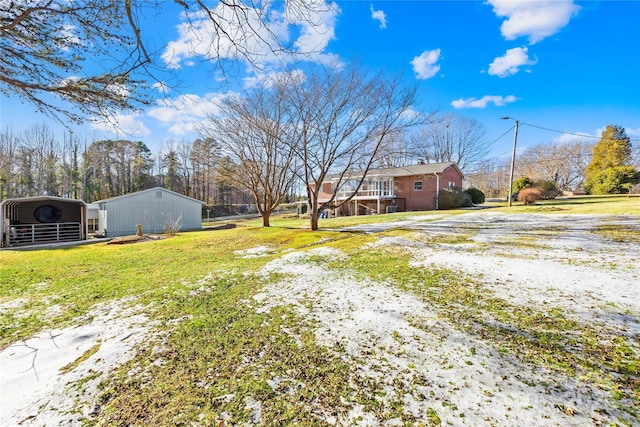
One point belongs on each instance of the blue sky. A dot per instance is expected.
(567, 66)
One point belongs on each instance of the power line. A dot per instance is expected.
(500, 137)
(569, 133)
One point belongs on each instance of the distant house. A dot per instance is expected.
(156, 209)
(44, 219)
(400, 189)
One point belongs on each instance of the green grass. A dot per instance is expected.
(77, 278)
(224, 353)
(611, 205)
(618, 233)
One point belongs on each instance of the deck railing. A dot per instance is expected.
(31, 234)
(366, 193)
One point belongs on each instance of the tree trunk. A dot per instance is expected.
(265, 218)
(313, 218)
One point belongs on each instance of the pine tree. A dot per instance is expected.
(612, 151)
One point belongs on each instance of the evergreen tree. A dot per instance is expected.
(612, 151)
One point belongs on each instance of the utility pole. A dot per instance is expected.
(513, 156)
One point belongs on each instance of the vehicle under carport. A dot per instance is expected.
(44, 219)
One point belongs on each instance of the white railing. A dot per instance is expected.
(31, 234)
(370, 188)
(366, 193)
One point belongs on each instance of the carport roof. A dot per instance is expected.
(41, 199)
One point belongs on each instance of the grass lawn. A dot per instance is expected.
(215, 355)
(596, 205)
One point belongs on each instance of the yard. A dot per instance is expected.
(528, 316)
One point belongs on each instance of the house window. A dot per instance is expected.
(417, 185)
(452, 186)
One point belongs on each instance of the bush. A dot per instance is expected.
(548, 189)
(616, 180)
(172, 226)
(466, 201)
(454, 199)
(520, 183)
(447, 200)
(529, 195)
(477, 196)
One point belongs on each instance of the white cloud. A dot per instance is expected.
(161, 87)
(633, 133)
(69, 34)
(380, 16)
(186, 107)
(268, 79)
(316, 32)
(425, 65)
(183, 128)
(511, 62)
(566, 138)
(483, 102)
(119, 124)
(184, 113)
(200, 37)
(535, 19)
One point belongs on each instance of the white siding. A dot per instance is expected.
(154, 209)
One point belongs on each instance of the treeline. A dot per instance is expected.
(610, 165)
(564, 164)
(35, 162)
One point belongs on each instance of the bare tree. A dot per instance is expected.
(40, 156)
(70, 166)
(204, 156)
(451, 138)
(342, 119)
(490, 176)
(172, 167)
(396, 152)
(251, 135)
(184, 152)
(9, 143)
(562, 163)
(45, 46)
(112, 168)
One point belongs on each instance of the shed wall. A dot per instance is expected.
(153, 209)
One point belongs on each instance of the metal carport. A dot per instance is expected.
(45, 219)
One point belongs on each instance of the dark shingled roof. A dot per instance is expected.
(419, 169)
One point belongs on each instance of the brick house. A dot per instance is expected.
(399, 189)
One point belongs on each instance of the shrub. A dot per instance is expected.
(520, 183)
(477, 196)
(616, 180)
(447, 200)
(548, 189)
(466, 201)
(172, 226)
(529, 195)
(454, 199)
